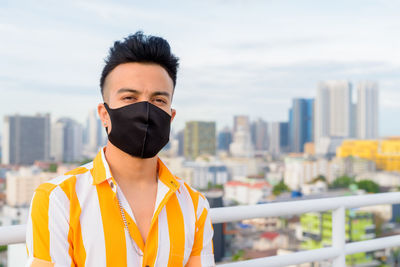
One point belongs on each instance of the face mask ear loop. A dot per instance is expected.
(106, 106)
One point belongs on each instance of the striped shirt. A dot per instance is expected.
(75, 220)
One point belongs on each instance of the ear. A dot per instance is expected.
(104, 117)
(173, 113)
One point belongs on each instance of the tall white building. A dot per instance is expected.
(242, 145)
(95, 133)
(66, 140)
(333, 110)
(26, 139)
(367, 110)
(241, 122)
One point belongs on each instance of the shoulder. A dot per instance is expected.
(198, 199)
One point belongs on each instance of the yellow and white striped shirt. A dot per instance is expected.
(75, 220)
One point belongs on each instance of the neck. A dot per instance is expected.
(128, 170)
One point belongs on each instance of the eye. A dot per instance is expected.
(160, 100)
(128, 98)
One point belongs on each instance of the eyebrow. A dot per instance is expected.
(129, 90)
(161, 93)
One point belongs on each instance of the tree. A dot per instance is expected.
(238, 255)
(369, 186)
(53, 167)
(84, 161)
(318, 178)
(343, 182)
(280, 188)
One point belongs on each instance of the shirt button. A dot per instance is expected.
(112, 185)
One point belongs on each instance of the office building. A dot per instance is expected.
(259, 135)
(199, 139)
(224, 139)
(301, 124)
(333, 110)
(66, 140)
(279, 138)
(26, 139)
(95, 133)
(367, 110)
(180, 136)
(241, 122)
(242, 145)
(385, 153)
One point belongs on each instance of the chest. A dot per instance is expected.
(142, 205)
(104, 239)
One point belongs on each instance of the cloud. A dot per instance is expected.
(237, 57)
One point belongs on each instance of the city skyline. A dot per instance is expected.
(243, 58)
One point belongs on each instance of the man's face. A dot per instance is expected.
(130, 83)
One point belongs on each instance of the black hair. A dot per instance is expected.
(140, 48)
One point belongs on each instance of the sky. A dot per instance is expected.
(237, 57)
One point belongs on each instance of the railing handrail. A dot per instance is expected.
(296, 207)
(16, 234)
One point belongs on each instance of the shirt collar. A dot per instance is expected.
(101, 171)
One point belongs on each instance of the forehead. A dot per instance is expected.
(138, 76)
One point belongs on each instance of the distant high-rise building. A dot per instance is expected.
(200, 138)
(301, 124)
(353, 124)
(333, 110)
(95, 133)
(279, 138)
(242, 145)
(224, 139)
(25, 139)
(367, 110)
(66, 140)
(241, 122)
(259, 135)
(180, 136)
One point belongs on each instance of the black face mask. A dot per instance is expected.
(140, 129)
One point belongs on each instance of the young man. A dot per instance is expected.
(125, 208)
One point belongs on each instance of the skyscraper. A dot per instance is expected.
(301, 117)
(259, 135)
(95, 133)
(333, 110)
(367, 110)
(279, 138)
(241, 122)
(224, 139)
(200, 138)
(242, 145)
(66, 140)
(25, 139)
(180, 136)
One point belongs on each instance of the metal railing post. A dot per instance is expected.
(339, 236)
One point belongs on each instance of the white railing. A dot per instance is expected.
(336, 253)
